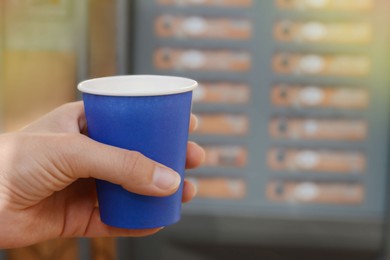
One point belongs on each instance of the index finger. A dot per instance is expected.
(68, 118)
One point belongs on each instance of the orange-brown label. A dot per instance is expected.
(225, 156)
(203, 28)
(222, 124)
(315, 192)
(318, 129)
(222, 93)
(220, 3)
(313, 64)
(317, 32)
(220, 188)
(313, 160)
(327, 5)
(322, 97)
(202, 60)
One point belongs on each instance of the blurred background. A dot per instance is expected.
(293, 106)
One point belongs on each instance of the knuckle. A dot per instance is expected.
(67, 157)
(134, 167)
(130, 160)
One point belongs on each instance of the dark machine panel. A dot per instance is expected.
(293, 113)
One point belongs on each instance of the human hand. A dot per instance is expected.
(46, 185)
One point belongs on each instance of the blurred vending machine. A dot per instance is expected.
(293, 108)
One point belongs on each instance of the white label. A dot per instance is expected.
(193, 59)
(194, 25)
(306, 191)
(311, 96)
(235, 187)
(307, 159)
(317, 3)
(310, 127)
(313, 31)
(197, 1)
(311, 64)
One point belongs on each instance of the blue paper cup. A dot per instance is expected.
(145, 113)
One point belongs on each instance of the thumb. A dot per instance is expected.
(83, 157)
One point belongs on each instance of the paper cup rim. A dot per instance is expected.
(137, 85)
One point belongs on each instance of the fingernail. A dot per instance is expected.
(165, 179)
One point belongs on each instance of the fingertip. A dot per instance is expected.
(189, 191)
(194, 123)
(195, 155)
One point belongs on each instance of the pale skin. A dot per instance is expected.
(46, 179)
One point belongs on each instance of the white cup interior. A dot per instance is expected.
(137, 85)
